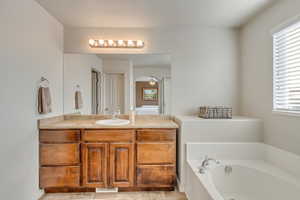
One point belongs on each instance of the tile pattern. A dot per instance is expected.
(117, 196)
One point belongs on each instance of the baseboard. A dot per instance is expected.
(180, 187)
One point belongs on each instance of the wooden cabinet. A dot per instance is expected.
(108, 136)
(156, 158)
(130, 158)
(60, 176)
(110, 164)
(156, 135)
(94, 165)
(156, 175)
(59, 158)
(59, 154)
(156, 153)
(122, 165)
(59, 136)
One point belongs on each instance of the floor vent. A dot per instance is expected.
(106, 190)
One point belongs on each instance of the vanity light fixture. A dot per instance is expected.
(116, 43)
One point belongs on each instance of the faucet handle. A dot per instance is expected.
(202, 170)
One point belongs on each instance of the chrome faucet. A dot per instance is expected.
(205, 163)
(116, 113)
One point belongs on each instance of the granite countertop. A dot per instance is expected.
(89, 122)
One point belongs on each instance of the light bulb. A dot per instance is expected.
(139, 43)
(101, 42)
(92, 42)
(130, 43)
(120, 43)
(152, 83)
(111, 42)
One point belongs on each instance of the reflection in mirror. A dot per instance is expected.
(113, 84)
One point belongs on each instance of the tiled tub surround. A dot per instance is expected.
(195, 129)
(259, 171)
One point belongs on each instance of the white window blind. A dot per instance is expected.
(286, 67)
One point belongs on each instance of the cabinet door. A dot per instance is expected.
(94, 165)
(121, 165)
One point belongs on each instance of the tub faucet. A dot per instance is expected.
(205, 163)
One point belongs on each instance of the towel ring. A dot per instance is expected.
(44, 82)
(78, 88)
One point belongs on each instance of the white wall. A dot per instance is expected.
(204, 60)
(31, 46)
(124, 67)
(147, 71)
(78, 71)
(256, 75)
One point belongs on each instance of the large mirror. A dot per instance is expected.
(112, 83)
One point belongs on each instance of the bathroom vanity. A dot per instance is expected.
(76, 154)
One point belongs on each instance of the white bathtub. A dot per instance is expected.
(255, 174)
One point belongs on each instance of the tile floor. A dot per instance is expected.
(117, 196)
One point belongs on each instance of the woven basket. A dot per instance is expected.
(215, 112)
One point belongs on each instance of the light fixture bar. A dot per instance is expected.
(116, 43)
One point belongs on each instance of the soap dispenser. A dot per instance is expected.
(132, 115)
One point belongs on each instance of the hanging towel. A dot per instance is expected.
(44, 100)
(78, 100)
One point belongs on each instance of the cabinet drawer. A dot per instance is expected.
(156, 176)
(59, 177)
(156, 135)
(59, 154)
(59, 136)
(156, 153)
(108, 136)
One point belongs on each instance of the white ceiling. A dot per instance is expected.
(142, 60)
(153, 13)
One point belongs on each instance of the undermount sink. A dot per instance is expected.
(113, 122)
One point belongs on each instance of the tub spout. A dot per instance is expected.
(205, 163)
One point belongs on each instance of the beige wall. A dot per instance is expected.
(204, 60)
(31, 46)
(256, 74)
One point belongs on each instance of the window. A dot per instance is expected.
(286, 69)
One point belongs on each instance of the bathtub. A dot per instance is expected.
(255, 175)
